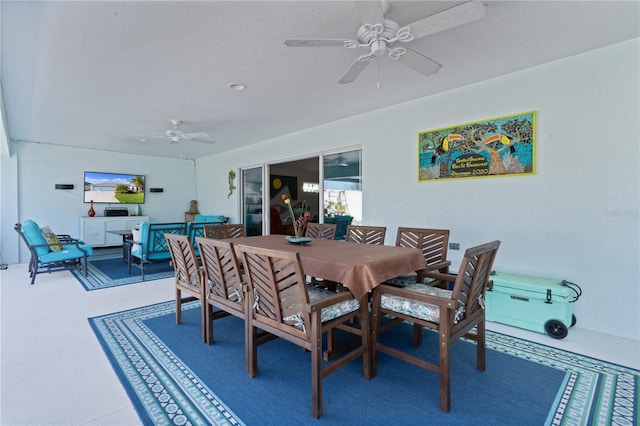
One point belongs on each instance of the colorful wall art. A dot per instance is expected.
(503, 146)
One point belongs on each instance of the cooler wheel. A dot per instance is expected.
(556, 329)
(573, 320)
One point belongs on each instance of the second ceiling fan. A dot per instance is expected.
(381, 36)
(176, 135)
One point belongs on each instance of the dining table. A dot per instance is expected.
(358, 267)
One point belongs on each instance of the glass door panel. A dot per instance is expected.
(342, 189)
(252, 201)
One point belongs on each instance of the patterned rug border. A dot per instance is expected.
(98, 280)
(164, 390)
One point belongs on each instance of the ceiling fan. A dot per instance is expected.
(176, 135)
(381, 36)
(339, 161)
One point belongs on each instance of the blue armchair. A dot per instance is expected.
(60, 253)
(152, 247)
(196, 228)
(341, 225)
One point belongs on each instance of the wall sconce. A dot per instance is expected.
(64, 186)
(156, 189)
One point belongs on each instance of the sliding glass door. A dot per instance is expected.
(329, 184)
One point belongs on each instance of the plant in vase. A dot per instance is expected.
(299, 223)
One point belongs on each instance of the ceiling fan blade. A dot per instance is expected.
(196, 135)
(355, 69)
(372, 12)
(450, 18)
(312, 42)
(420, 63)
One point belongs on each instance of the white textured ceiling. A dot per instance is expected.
(105, 74)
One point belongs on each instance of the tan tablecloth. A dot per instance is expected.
(359, 267)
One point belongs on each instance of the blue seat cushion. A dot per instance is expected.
(210, 218)
(68, 252)
(32, 232)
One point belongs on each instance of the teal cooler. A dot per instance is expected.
(538, 304)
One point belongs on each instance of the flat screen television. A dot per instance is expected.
(113, 188)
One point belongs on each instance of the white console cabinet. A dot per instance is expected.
(94, 230)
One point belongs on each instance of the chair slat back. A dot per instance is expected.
(321, 231)
(432, 242)
(473, 277)
(184, 261)
(278, 286)
(366, 234)
(221, 232)
(221, 270)
(154, 242)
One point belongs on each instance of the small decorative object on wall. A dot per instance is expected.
(494, 147)
(190, 215)
(232, 176)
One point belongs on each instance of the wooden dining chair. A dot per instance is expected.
(284, 305)
(321, 231)
(451, 313)
(223, 285)
(366, 234)
(433, 243)
(227, 230)
(188, 275)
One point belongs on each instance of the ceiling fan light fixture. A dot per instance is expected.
(378, 47)
(237, 86)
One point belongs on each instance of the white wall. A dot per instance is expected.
(41, 166)
(577, 218)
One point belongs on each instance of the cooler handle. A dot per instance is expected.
(573, 286)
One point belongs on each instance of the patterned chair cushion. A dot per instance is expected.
(425, 311)
(402, 281)
(328, 313)
(406, 280)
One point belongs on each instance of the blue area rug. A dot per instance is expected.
(174, 378)
(112, 271)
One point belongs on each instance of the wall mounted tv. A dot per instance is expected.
(113, 188)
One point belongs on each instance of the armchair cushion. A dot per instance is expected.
(32, 232)
(135, 237)
(211, 218)
(334, 311)
(68, 252)
(51, 238)
(414, 308)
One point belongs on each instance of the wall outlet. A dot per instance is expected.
(454, 246)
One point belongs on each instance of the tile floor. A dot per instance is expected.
(54, 372)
